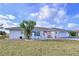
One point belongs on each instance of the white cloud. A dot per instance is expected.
(44, 24)
(51, 13)
(7, 23)
(72, 25)
(61, 13)
(57, 20)
(44, 12)
(6, 20)
(55, 14)
(2, 17)
(11, 17)
(47, 24)
(33, 14)
(61, 16)
(7, 17)
(75, 16)
(10, 25)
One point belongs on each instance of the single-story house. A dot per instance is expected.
(38, 33)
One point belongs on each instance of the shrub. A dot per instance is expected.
(3, 36)
(72, 33)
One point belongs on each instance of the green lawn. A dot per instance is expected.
(39, 48)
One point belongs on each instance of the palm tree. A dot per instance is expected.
(27, 27)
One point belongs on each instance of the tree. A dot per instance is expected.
(72, 33)
(27, 27)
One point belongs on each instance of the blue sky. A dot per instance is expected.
(64, 16)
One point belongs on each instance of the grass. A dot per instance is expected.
(39, 48)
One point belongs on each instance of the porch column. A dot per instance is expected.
(42, 34)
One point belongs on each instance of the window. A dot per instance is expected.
(36, 33)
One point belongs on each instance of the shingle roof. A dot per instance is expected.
(13, 28)
(41, 28)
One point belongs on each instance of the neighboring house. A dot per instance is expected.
(38, 33)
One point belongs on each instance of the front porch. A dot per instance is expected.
(43, 35)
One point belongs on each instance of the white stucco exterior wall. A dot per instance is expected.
(15, 34)
(60, 34)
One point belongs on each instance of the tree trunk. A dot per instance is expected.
(28, 36)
